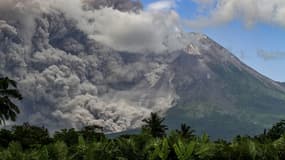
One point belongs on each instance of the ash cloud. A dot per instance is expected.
(142, 31)
(69, 62)
(133, 30)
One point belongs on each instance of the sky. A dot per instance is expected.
(253, 30)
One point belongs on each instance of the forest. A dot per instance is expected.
(154, 142)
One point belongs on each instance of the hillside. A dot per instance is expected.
(223, 94)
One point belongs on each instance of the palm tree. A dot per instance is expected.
(8, 110)
(154, 125)
(185, 131)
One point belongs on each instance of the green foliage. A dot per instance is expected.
(69, 136)
(6, 137)
(185, 131)
(81, 149)
(31, 136)
(58, 151)
(184, 151)
(277, 130)
(158, 149)
(8, 90)
(28, 142)
(92, 133)
(154, 126)
(279, 145)
(43, 154)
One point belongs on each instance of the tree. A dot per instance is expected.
(31, 136)
(185, 131)
(68, 136)
(277, 130)
(154, 125)
(8, 90)
(92, 133)
(6, 137)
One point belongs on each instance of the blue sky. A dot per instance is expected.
(265, 34)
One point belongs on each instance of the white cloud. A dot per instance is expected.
(249, 11)
(161, 5)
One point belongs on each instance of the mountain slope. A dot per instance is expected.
(221, 95)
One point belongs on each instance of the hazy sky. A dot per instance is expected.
(254, 30)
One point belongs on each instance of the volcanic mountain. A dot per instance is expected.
(222, 93)
(71, 78)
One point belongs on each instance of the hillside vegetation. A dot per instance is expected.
(27, 142)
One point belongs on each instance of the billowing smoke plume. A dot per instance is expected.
(78, 63)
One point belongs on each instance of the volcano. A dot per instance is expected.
(70, 78)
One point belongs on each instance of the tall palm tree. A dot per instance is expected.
(8, 90)
(154, 126)
(185, 131)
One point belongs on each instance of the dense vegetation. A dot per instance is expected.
(27, 142)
